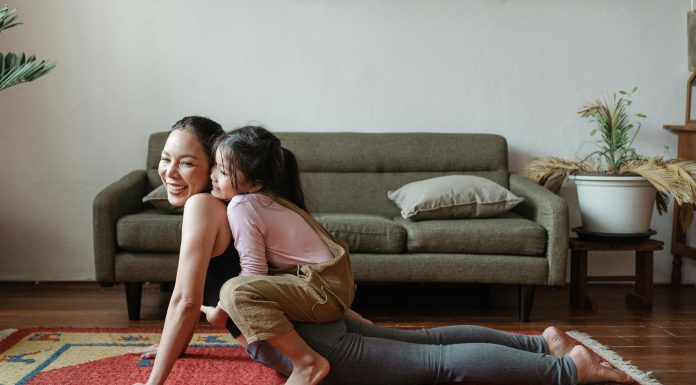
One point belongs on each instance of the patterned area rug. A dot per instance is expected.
(98, 356)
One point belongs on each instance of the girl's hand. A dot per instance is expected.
(145, 351)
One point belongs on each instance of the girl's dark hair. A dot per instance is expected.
(258, 155)
(206, 130)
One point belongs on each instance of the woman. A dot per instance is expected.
(358, 353)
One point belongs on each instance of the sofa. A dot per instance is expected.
(346, 177)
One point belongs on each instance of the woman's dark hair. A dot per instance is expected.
(206, 130)
(258, 155)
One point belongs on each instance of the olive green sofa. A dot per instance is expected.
(346, 177)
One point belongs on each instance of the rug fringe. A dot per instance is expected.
(643, 378)
(6, 333)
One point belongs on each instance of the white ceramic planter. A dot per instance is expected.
(615, 204)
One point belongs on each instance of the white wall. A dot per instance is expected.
(125, 69)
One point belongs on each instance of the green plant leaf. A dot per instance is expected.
(641, 115)
(18, 69)
(9, 18)
(635, 88)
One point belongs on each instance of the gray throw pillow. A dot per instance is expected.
(453, 196)
(158, 198)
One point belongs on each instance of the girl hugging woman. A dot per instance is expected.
(292, 268)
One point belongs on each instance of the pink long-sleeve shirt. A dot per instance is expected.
(267, 233)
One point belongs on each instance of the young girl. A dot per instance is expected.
(310, 274)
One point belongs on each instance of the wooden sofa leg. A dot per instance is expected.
(526, 300)
(134, 291)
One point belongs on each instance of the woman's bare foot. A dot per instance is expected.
(309, 372)
(216, 316)
(556, 341)
(589, 370)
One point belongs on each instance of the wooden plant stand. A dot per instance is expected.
(642, 295)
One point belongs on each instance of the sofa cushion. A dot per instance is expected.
(453, 196)
(151, 230)
(158, 198)
(154, 230)
(365, 233)
(507, 234)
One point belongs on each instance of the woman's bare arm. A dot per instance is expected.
(203, 216)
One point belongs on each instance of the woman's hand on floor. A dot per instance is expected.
(148, 351)
(145, 351)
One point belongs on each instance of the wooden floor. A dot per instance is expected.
(660, 341)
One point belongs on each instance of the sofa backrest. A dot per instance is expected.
(346, 172)
(352, 172)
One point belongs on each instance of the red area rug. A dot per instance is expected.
(99, 357)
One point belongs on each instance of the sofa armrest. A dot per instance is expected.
(120, 198)
(551, 212)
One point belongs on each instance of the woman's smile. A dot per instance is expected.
(175, 188)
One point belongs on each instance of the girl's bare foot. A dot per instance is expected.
(589, 370)
(310, 372)
(216, 316)
(556, 341)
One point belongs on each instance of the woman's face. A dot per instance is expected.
(184, 166)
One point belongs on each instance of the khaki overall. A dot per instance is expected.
(262, 306)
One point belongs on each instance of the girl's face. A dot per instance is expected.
(223, 184)
(184, 166)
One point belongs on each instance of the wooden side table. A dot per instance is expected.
(642, 295)
(686, 149)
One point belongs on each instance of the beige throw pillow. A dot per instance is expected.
(158, 198)
(453, 196)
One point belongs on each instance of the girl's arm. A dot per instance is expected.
(203, 215)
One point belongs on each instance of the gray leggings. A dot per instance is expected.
(361, 354)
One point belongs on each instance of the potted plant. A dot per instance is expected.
(616, 186)
(18, 68)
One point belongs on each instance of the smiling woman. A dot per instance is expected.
(207, 256)
(185, 163)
